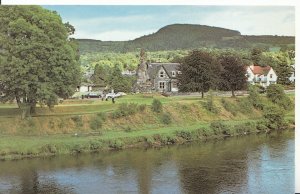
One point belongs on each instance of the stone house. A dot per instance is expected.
(157, 77)
(263, 76)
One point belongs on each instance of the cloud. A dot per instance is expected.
(116, 35)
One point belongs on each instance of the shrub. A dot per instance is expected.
(230, 107)
(219, 127)
(275, 93)
(210, 105)
(247, 127)
(156, 106)
(261, 126)
(95, 145)
(142, 107)
(128, 129)
(166, 118)
(274, 117)
(117, 144)
(187, 135)
(245, 106)
(150, 140)
(254, 97)
(125, 109)
(77, 120)
(96, 123)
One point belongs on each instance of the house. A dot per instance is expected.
(292, 77)
(84, 87)
(157, 77)
(263, 76)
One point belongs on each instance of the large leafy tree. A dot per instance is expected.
(119, 82)
(233, 73)
(38, 60)
(199, 72)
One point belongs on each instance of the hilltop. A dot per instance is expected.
(187, 36)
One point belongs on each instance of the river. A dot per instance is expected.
(250, 164)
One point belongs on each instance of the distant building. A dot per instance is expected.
(128, 73)
(292, 77)
(263, 76)
(157, 77)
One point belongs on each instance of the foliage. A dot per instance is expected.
(230, 107)
(254, 97)
(233, 73)
(96, 123)
(186, 36)
(199, 72)
(210, 105)
(36, 53)
(187, 135)
(256, 54)
(156, 106)
(219, 128)
(275, 93)
(245, 105)
(116, 144)
(118, 82)
(166, 118)
(274, 117)
(77, 120)
(125, 109)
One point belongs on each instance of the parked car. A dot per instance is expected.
(114, 95)
(93, 95)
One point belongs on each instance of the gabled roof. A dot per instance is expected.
(258, 70)
(154, 67)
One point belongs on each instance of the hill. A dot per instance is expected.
(187, 36)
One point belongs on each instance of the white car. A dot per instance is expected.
(114, 95)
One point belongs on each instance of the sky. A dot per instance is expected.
(118, 23)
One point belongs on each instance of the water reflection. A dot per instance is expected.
(254, 164)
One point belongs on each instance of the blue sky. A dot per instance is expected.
(130, 22)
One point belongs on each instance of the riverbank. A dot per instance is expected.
(94, 125)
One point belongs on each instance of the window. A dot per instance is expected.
(271, 75)
(162, 85)
(179, 72)
(161, 74)
(173, 73)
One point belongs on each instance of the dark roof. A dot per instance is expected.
(169, 67)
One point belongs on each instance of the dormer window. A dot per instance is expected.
(161, 74)
(271, 75)
(173, 73)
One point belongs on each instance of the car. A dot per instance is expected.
(93, 95)
(114, 95)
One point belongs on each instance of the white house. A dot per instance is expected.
(263, 76)
(84, 87)
(292, 77)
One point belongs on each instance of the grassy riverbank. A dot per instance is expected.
(90, 125)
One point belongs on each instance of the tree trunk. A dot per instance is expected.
(32, 108)
(233, 95)
(18, 101)
(202, 94)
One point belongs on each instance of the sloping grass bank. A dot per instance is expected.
(132, 124)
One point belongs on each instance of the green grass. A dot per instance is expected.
(42, 135)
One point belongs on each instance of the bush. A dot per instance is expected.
(245, 106)
(77, 120)
(156, 106)
(275, 93)
(117, 144)
(150, 140)
(125, 109)
(210, 105)
(95, 145)
(247, 127)
(274, 117)
(96, 123)
(219, 127)
(261, 126)
(166, 118)
(187, 135)
(142, 107)
(229, 106)
(254, 97)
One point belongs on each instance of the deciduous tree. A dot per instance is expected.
(38, 62)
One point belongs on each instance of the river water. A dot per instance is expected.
(251, 164)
